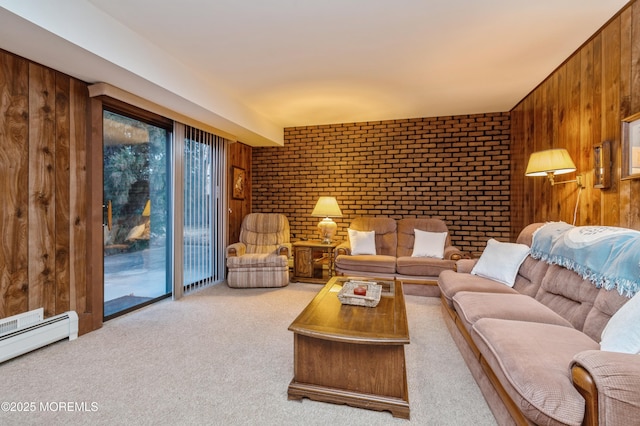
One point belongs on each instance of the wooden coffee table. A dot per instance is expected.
(353, 355)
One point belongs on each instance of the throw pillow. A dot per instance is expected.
(501, 261)
(362, 242)
(428, 244)
(622, 332)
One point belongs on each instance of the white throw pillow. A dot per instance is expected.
(362, 242)
(501, 261)
(622, 332)
(429, 244)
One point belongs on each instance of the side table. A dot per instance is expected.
(313, 261)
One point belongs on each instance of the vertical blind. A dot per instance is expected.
(200, 232)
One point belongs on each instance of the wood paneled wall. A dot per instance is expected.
(238, 155)
(43, 200)
(579, 105)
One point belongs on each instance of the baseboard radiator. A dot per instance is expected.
(26, 332)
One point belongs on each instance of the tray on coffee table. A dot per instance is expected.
(370, 299)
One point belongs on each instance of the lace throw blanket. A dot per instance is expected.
(605, 255)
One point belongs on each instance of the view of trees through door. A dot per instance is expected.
(137, 267)
(163, 198)
(201, 177)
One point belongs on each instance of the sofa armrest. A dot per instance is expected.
(236, 249)
(343, 248)
(465, 265)
(452, 253)
(609, 382)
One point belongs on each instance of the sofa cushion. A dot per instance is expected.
(472, 306)
(264, 232)
(369, 264)
(501, 261)
(451, 282)
(530, 276)
(526, 235)
(605, 306)
(568, 294)
(362, 242)
(423, 266)
(385, 228)
(532, 361)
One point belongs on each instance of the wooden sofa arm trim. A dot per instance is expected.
(342, 250)
(283, 251)
(584, 383)
(232, 252)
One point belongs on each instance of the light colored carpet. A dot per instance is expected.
(223, 357)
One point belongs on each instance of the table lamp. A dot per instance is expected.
(327, 207)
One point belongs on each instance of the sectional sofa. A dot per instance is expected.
(555, 340)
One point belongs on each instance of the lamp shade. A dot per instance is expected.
(551, 161)
(327, 207)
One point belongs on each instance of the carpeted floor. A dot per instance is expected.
(222, 357)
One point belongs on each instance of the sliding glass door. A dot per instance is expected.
(137, 231)
(199, 182)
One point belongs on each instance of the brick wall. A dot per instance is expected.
(453, 168)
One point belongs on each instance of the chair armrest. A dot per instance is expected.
(236, 249)
(452, 253)
(465, 265)
(284, 249)
(343, 248)
(609, 382)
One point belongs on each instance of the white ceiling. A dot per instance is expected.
(265, 65)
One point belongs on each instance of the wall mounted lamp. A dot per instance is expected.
(552, 162)
(327, 207)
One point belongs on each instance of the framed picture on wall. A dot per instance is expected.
(237, 183)
(602, 165)
(631, 147)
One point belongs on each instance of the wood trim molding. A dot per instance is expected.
(95, 270)
(106, 90)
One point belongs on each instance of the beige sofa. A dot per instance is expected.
(394, 246)
(534, 348)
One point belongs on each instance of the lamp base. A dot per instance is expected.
(327, 229)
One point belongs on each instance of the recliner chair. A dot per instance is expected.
(261, 257)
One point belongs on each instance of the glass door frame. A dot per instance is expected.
(101, 95)
(124, 109)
